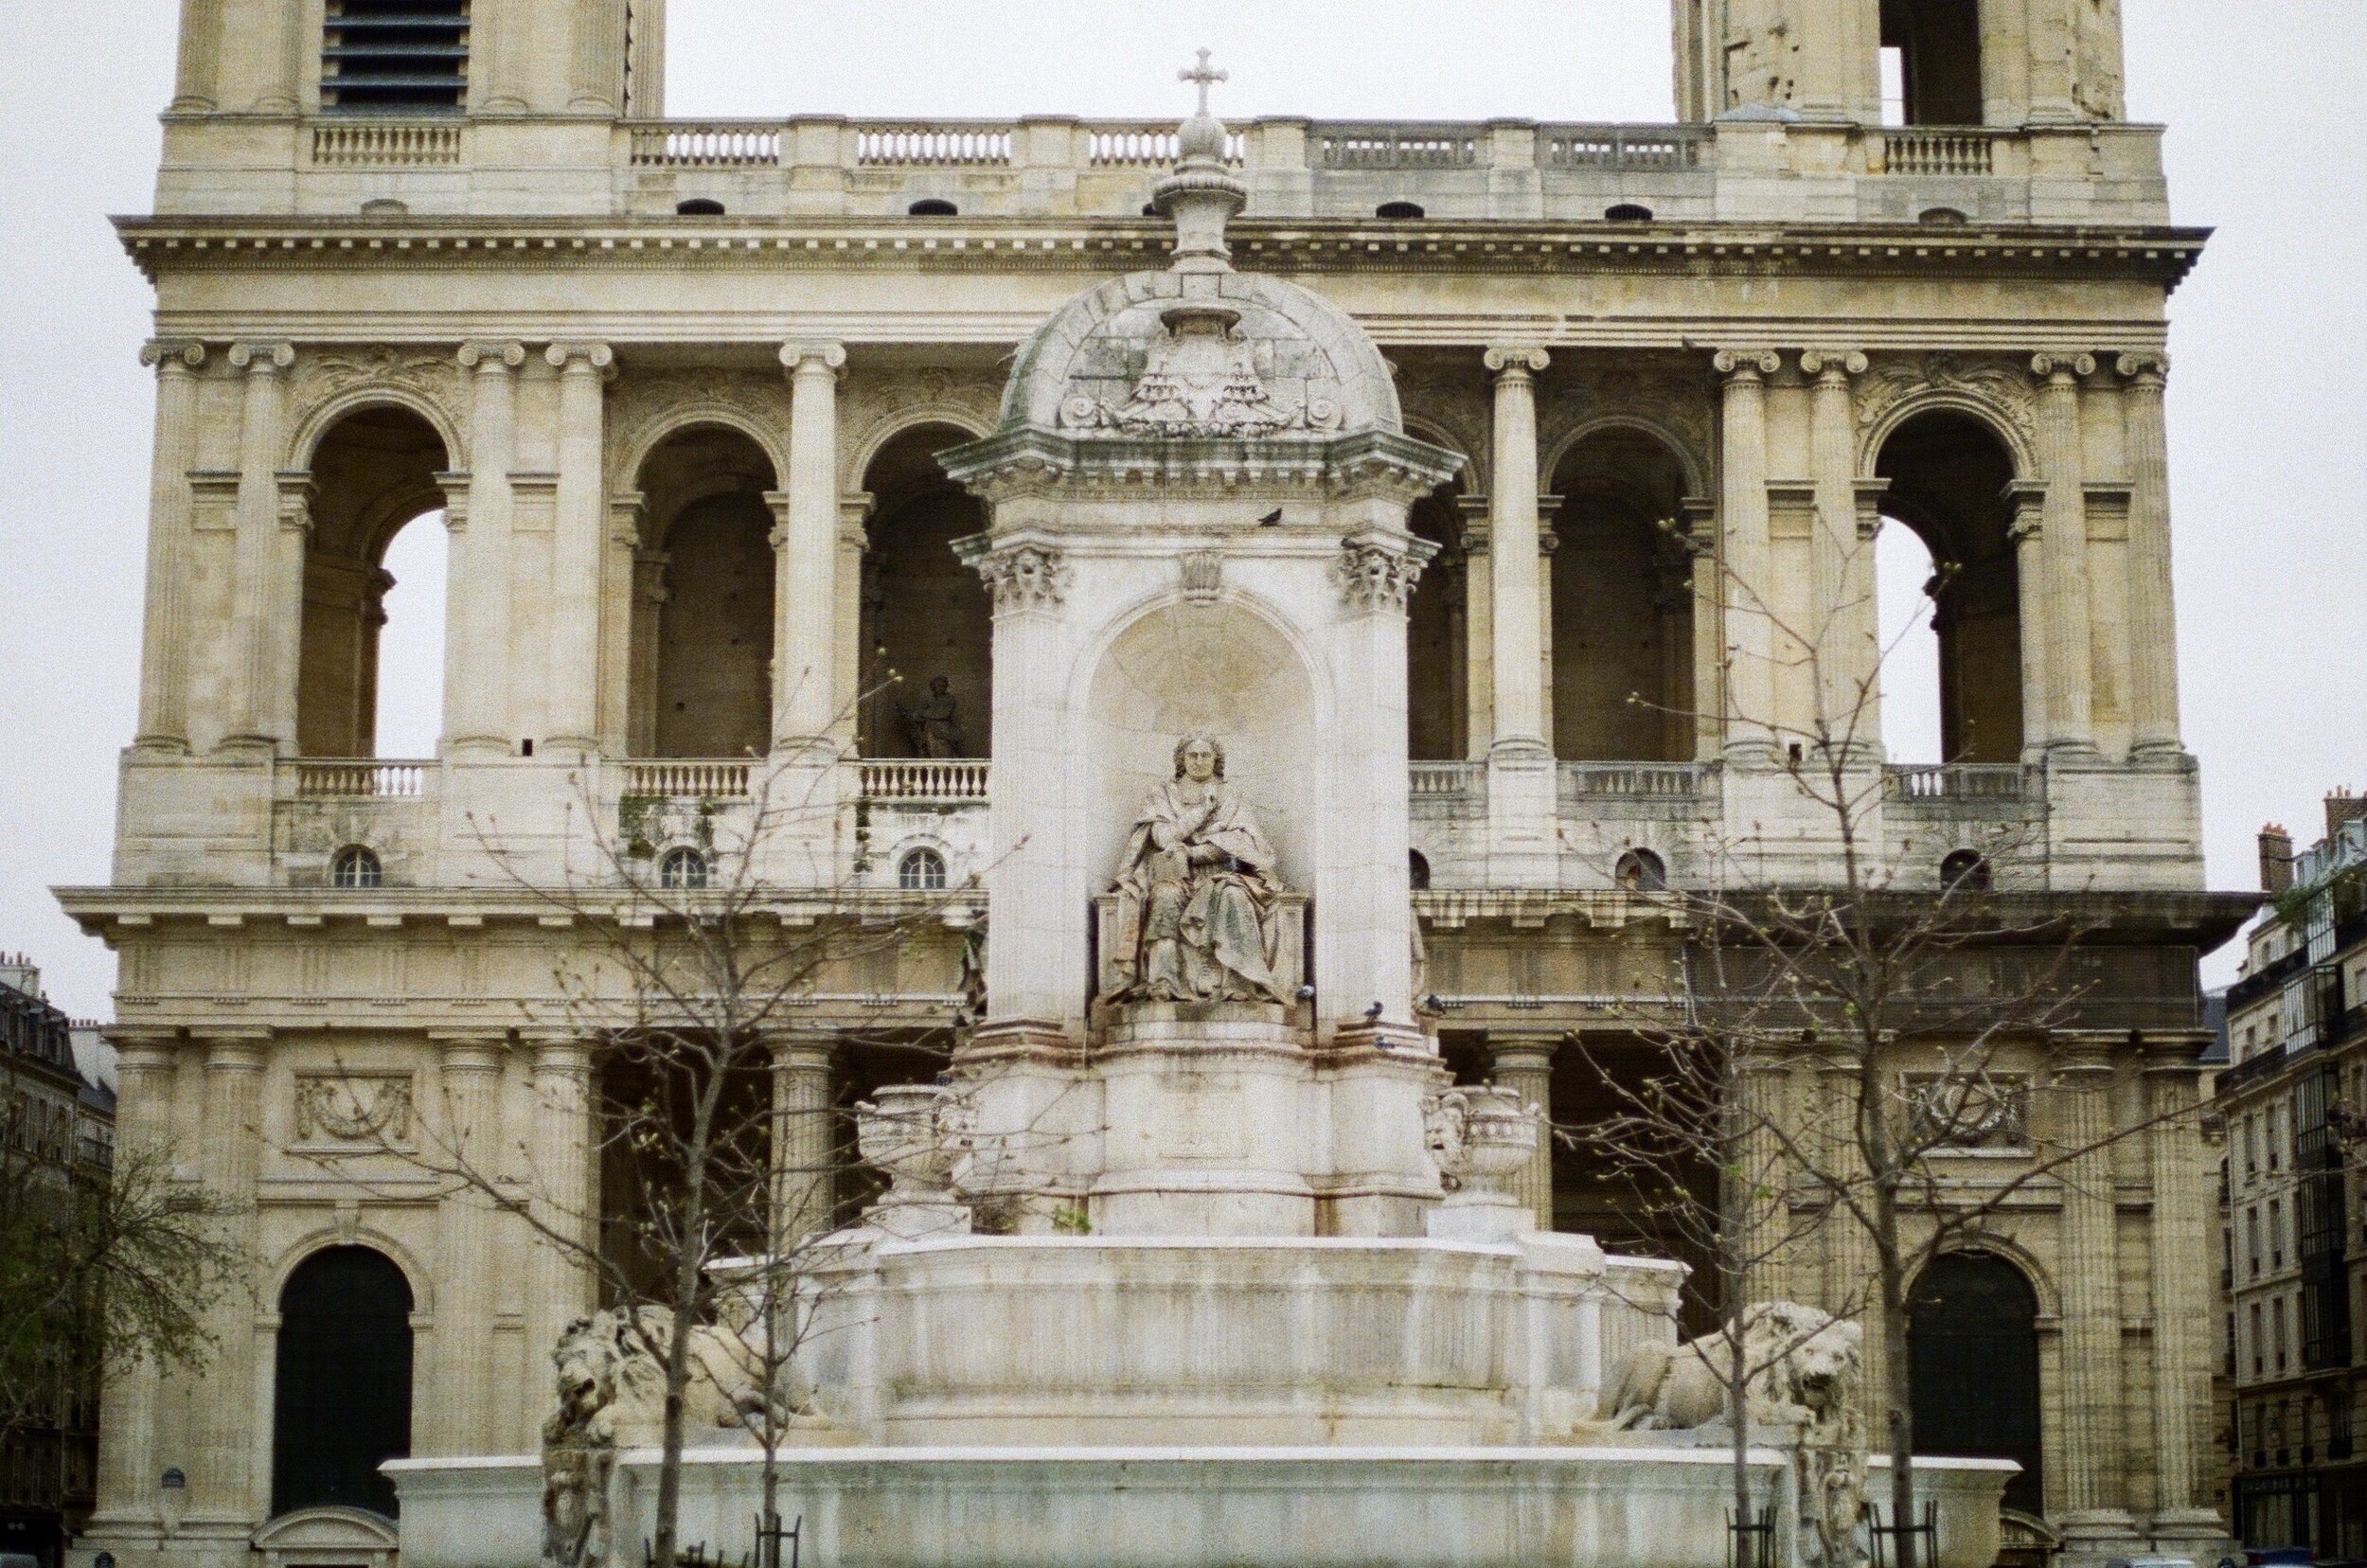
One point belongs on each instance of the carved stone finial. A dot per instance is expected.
(1200, 195)
(1204, 75)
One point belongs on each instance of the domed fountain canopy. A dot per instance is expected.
(1199, 367)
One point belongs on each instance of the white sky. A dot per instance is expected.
(2266, 143)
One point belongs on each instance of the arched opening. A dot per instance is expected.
(1418, 870)
(356, 866)
(1972, 1368)
(1399, 210)
(1627, 212)
(699, 206)
(1622, 631)
(370, 678)
(1965, 871)
(934, 207)
(922, 871)
(1640, 871)
(341, 1403)
(1931, 62)
(926, 680)
(1438, 643)
(1905, 579)
(701, 678)
(1948, 478)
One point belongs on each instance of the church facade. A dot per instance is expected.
(719, 416)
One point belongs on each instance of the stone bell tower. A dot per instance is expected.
(1993, 62)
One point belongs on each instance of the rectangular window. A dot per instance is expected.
(2252, 1241)
(395, 55)
(2276, 1234)
(2276, 1330)
(2258, 1344)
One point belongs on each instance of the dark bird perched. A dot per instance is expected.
(1306, 993)
(1272, 517)
(1373, 1012)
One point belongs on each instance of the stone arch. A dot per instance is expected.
(377, 461)
(321, 1238)
(1235, 667)
(1948, 468)
(2009, 432)
(342, 1386)
(700, 682)
(1693, 462)
(1621, 634)
(863, 450)
(923, 616)
(697, 414)
(334, 410)
(1975, 1379)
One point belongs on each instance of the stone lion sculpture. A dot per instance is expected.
(610, 1393)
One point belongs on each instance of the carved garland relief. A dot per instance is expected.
(352, 1109)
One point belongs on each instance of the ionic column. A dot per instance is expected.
(804, 1135)
(222, 1422)
(1760, 1204)
(196, 78)
(805, 591)
(471, 1068)
(2090, 1272)
(2182, 1330)
(1748, 655)
(2070, 645)
(1844, 620)
(476, 641)
(1517, 635)
(2027, 500)
(258, 601)
(2152, 618)
(128, 1450)
(599, 57)
(1478, 628)
(1524, 1064)
(164, 649)
(854, 511)
(579, 529)
(561, 1184)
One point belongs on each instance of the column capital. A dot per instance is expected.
(1833, 367)
(624, 517)
(179, 355)
(2147, 369)
(1515, 360)
(470, 1051)
(797, 1047)
(2086, 1053)
(2059, 369)
(802, 357)
(1746, 364)
(582, 359)
(235, 1050)
(854, 511)
(141, 1048)
(493, 358)
(262, 359)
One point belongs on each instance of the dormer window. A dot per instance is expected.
(395, 55)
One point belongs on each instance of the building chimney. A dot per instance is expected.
(2276, 860)
(18, 974)
(2344, 806)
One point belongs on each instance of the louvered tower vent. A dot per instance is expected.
(403, 56)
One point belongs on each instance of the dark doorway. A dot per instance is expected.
(1972, 1366)
(1939, 47)
(343, 1400)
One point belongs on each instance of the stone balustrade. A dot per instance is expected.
(363, 778)
(934, 779)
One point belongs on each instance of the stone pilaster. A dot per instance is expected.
(1524, 1064)
(622, 660)
(461, 1417)
(260, 602)
(1844, 626)
(165, 636)
(224, 1488)
(1699, 517)
(805, 1132)
(579, 533)
(1478, 628)
(854, 541)
(2027, 497)
(806, 702)
(2069, 641)
(2152, 617)
(1749, 653)
(2184, 1331)
(561, 1184)
(476, 643)
(2094, 1418)
(129, 1429)
(198, 68)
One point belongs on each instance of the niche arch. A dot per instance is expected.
(341, 1382)
(1976, 1385)
(924, 616)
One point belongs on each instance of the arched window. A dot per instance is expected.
(356, 866)
(1640, 871)
(1399, 209)
(1417, 869)
(700, 683)
(1965, 871)
(1972, 1360)
(934, 207)
(1931, 62)
(370, 671)
(341, 1404)
(699, 206)
(926, 617)
(681, 867)
(1620, 640)
(922, 871)
(1627, 212)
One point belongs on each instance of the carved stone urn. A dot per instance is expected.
(1480, 1138)
(913, 1134)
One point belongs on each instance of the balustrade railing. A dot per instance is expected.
(1952, 151)
(1623, 148)
(1648, 780)
(714, 144)
(1448, 780)
(1397, 146)
(909, 144)
(386, 142)
(1959, 781)
(360, 778)
(946, 778)
(720, 779)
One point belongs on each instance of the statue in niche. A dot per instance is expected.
(935, 728)
(1197, 898)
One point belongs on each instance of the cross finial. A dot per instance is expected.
(1204, 77)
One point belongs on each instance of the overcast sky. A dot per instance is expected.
(2266, 143)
